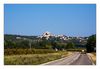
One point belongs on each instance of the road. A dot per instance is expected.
(75, 59)
(83, 60)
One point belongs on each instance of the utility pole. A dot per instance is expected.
(30, 41)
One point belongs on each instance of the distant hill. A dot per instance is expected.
(22, 41)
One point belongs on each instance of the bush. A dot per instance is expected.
(76, 50)
(27, 51)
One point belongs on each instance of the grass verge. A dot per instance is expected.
(33, 59)
(93, 57)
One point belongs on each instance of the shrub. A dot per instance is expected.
(27, 51)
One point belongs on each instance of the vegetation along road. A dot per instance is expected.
(75, 59)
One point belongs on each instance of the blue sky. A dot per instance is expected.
(34, 19)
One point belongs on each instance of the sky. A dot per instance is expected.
(35, 19)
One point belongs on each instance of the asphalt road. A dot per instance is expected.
(83, 60)
(75, 59)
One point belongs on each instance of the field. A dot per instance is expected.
(34, 59)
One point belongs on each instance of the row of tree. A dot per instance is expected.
(37, 43)
(91, 44)
(44, 44)
(53, 43)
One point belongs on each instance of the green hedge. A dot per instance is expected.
(77, 50)
(27, 51)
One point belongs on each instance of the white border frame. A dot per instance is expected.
(97, 2)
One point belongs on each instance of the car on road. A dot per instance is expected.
(83, 52)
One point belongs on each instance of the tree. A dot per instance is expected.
(91, 43)
(9, 44)
(70, 45)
